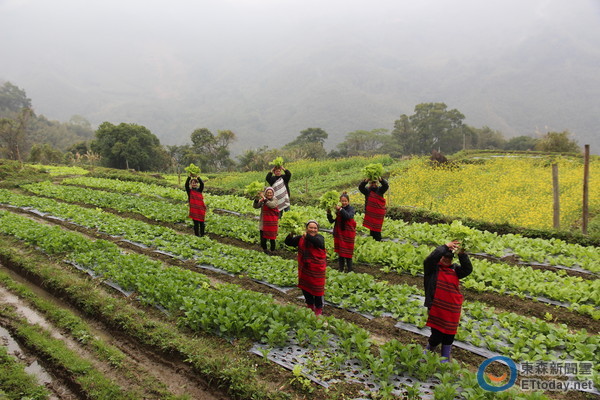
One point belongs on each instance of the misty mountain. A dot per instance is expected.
(350, 73)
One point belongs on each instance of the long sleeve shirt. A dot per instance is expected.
(379, 189)
(188, 187)
(431, 268)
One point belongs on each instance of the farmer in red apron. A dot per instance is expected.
(344, 232)
(194, 187)
(374, 205)
(312, 264)
(443, 298)
(268, 223)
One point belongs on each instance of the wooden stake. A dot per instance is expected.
(586, 178)
(556, 190)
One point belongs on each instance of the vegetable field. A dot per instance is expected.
(104, 285)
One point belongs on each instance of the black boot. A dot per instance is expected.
(348, 265)
(341, 264)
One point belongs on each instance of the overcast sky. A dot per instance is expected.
(154, 47)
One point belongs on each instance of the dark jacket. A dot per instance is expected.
(463, 269)
(272, 178)
(188, 188)
(366, 190)
(346, 213)
(317, 241)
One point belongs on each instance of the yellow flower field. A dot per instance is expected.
(513, 190)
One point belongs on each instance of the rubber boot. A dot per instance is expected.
(348, 265)
(318, 311)
(429, 348)
(341, 264)
(311, 306)
(446, 352)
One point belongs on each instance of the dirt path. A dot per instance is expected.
(139, 367)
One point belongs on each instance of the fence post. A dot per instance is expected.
(586, 178)
(556, 191)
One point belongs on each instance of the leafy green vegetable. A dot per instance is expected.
(329, 200)
(253, 188)
(192, 169)
(293, 222)
(277, 163)
(461, 233)
(373, 171)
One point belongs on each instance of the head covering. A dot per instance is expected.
(312, 221)
(269, 188)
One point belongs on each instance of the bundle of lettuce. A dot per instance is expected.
(192, 170)
(252, 189)
(373, 171)
(292, 222)
(277, 163)
(462, 233)
(329, 200)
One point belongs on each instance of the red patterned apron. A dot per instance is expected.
(197, 206)
(344, 232)
(312, 263)
(270, 222)
(444, 314)
(374, 212)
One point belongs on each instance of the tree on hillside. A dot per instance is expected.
(45, 154)
(12, 99)
(257, 159)
(78, 148)
(210, 152)
(557, 142)
(222, 158)
(309, 144)
(364, 143)
(521, 143)
(13, 135)
(309, 135)
(483, 138)
(129, 146)
(431, 127)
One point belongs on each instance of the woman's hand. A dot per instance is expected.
(453, 245)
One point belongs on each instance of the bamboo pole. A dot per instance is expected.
(556, 191)
(586, 190)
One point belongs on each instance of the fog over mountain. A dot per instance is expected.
(267, 69)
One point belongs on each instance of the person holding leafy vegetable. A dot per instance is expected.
(443, 298)
(344, 231)
(374, 204)
(269, 218)
(194, 187)
(279, 178)
(312, 264)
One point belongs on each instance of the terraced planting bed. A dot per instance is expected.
(155, 312)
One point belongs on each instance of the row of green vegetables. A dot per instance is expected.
(309, 177)
(552, 252)
(581, 294)
(229, 311)
(486, 327)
